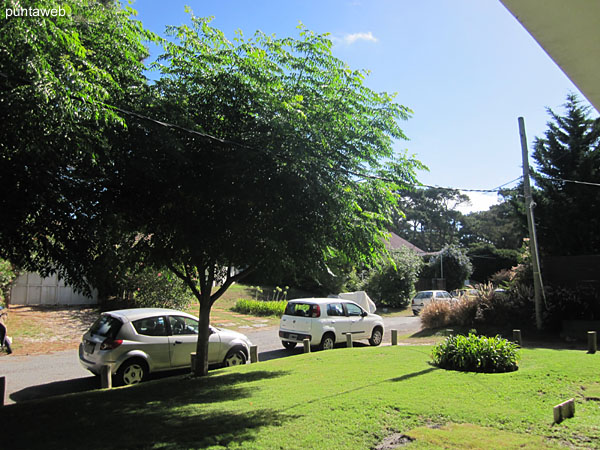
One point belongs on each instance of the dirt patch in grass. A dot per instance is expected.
(395, 440)
(45, 329)
(473, 436)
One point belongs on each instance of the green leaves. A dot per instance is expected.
(474, 353)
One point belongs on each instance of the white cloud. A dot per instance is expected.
(350, 39)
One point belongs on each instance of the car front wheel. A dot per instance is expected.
(235, 357)
(132, 372)
(376, 337)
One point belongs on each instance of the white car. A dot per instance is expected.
(325, 321)
(137, 342)
(424, 297)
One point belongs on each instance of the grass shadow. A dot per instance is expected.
(177, 415)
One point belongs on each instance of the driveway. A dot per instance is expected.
(40, 376)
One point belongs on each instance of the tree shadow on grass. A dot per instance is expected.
(181, 412)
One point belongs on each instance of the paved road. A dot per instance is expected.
(40, 376)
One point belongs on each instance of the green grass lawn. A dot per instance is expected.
(341, 399)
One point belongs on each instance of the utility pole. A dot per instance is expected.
(529, 205)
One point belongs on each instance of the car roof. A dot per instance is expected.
(432, 291)
(129, 315)
(321, 301)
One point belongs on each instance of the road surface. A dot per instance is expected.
(40, 376)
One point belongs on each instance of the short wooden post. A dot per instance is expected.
(592, 342)
(106, 377)
(193, 362)
(349, 340)
(253, 354)
(517, 337)
(2, 390)
(306, 343)
(394, 337)
(564, 411)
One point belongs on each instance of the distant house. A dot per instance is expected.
(396, 242)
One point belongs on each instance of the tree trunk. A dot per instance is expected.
(201, 368)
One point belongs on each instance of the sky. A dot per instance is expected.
(466, 68)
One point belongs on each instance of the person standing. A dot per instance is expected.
(3, 331)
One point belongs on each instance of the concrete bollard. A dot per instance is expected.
(349, 340)
(306, 343)
(592, 342)
(394, 337)
(517, 338)
(2, 390)
(564, 411)
(106, 377)
(193, 362)
(253, 354)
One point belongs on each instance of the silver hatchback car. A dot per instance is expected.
(137, 342)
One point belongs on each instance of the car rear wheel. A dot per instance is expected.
(289, 345)
(132, 372)
(235, 357)
(327, 342)
(376, 337)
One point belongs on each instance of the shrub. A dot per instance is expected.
(149, 287)
(394, 284)
(513, 308)
(436, 314)
(456, 264)
(464, 311)
(260, 308)
(474, 353)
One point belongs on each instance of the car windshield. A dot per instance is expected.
(424, 295)
(106, 326)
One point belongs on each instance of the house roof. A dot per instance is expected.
(395, 242)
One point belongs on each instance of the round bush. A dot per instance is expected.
(474, 353)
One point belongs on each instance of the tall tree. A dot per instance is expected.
(275, 162)
(567, 158)
(430, 220)
(58, 74)
(499, 226)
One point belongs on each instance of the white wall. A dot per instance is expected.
(31, 289)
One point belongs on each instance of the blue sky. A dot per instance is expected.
(466, 68)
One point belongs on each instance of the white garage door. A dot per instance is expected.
(31, 289)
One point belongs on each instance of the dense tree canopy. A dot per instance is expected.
(430, 220)
(566, 158)
(251, 154)
(57, 76)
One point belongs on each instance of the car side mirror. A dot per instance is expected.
(364, 314)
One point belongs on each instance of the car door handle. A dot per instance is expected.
(178, 342)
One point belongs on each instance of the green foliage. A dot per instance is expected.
(457, 267)
(566, 213)
(260, 308)
(513, 308)
(430, 219)
(474, 353)
(575, 303)
(58, 74)
(488, 260)
(8, 274)
(153, 288)
(394, 283)
(499, 226)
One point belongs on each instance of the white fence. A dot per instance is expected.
(31, 289)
